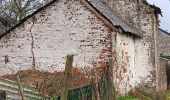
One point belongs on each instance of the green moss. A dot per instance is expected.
(164, 55)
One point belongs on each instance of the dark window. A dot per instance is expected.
(6, 59)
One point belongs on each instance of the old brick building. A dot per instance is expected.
(164, 41)
(164, 51)
(92, 30)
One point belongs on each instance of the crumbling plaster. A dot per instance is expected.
(67, 26)
(142, 16)
(62, 28)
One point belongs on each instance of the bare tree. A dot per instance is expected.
(13, 11)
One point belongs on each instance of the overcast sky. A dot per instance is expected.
(165, 6)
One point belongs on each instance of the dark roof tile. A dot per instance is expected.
(115, 20)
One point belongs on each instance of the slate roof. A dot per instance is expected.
(116, 21)
(102, 9)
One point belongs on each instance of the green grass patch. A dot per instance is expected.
(127, 98)
(146, 96)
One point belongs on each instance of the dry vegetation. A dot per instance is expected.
(50, 84)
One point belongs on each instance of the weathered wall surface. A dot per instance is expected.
(163, 74)
(45, 39)
(124, 70)
(68, 27)
(1, 28)
(15, 51)
(140, 15)
(168, 74)
(164, 47)
(164, 41)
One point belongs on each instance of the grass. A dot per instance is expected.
(127, 98)
(168, 94)
(146, 96)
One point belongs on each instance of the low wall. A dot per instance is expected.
(162, 73)
(168, 74)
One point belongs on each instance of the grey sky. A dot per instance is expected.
(165, 6)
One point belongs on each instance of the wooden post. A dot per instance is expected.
(97, 90)
(110, 80)
(67, 77)
(96, 86)
(20, 88)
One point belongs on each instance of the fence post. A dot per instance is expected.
(67, 77)
(20, 88)
(96, 86)
(110, 80)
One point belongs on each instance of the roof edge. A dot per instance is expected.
(27, 17)
(98, 14)
(164, 31)
(157, 9)
(106, 20)
(86, 3)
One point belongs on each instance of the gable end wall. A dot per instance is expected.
(62, 28)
